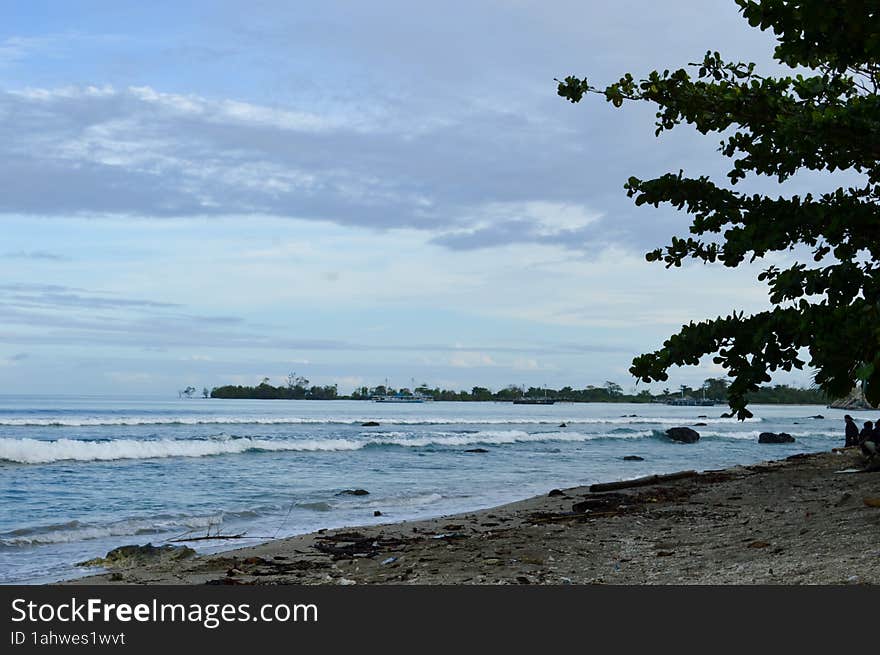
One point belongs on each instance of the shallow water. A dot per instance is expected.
(79, 476)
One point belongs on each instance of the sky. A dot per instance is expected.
(207, 193)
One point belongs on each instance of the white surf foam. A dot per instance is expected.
(294, 420)
(36, 451)
(75, 531)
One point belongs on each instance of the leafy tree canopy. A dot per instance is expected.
(824, 118)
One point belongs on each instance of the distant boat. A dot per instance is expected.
(403, 398)
(691, 402)
(534, 401)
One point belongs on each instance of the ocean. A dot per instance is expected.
(82, 475)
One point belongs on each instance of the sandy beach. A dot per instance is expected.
(807, 519)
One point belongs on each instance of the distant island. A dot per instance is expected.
(712, 390)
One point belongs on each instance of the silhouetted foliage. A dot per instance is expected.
(826, 119)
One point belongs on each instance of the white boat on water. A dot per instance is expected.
(403, 398)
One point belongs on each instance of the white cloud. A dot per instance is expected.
(471, 360)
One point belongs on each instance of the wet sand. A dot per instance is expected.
(794, 521)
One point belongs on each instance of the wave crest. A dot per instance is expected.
(36, 451)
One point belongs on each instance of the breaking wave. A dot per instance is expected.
(76, 531)
(83, 421)
(40, 451)
(37, 451)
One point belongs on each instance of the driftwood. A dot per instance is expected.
(213, 536)
(642, 482)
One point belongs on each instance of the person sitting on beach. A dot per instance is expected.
(870, 448)
(870, 445)
(852, 431)
(867, 433)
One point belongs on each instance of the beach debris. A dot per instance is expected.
(388, 560)
(758, 544)
(345, 582)
(604, 502)
(353, 492)
(871, 502)
(641, 482)
(370, 424)
(476, 450)
(665, 553)
(523, 579)
(774, 437)
(683, 435)
(350, 545)
(633, 458)
(555, 492)
(449, 535)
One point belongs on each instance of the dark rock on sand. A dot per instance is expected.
(370, 424)
(476, 450)
(633, 458)
(353, 492)
(773, 437)
(683, 435)
(555, 492)
(134, 555)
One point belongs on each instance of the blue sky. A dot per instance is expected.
(212, 192)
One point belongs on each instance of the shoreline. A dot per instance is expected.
(799, 520)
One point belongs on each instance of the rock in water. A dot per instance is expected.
(772, 437)
(633, 458)
(370, 424)
(133, 555)
(353, 492)
(476, 450)
(555, 492)
(683, 435)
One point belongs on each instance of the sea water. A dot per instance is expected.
(80, 476)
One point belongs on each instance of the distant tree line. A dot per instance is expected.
(296, 388)
(716, 389)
